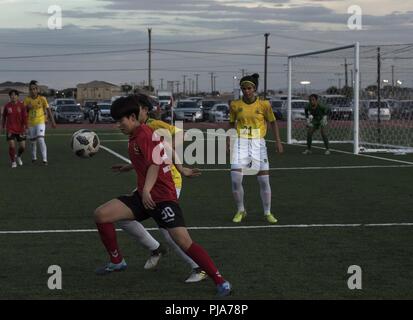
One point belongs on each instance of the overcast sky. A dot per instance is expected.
(221, 26)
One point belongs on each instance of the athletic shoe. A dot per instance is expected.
(111, 267)
(327, 152)
(19, 161)
(239, 216)
(34, 160)
(156, 255)
(224, 289)
(307, 151)
(196, 275)
(14, 164)
(44, 163)
(270, 218)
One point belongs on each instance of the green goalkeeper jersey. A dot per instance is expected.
(318, 112)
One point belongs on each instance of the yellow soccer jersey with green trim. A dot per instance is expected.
(158, 124)
(36, 114)
(251, 118)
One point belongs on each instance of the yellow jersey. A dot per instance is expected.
(251, 118)
(158, 124)
(37, 113)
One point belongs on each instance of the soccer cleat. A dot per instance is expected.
(239, 216)
(196, 275)
(224, 289)
(153, 260)
(111, 267)
(14, 164)
(270, 218)
(34, 160)
(19, 161)
(307, 151)
(327, 152)
(45, 163)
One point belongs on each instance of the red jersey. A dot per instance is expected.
(15, 117)
(141, 149)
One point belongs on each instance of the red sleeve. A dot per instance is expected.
(4, 116)
(24, 116)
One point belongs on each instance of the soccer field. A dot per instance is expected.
(333, 211)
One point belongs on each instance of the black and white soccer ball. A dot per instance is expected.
(85, 143)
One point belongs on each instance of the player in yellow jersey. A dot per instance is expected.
(249, 116)
(38, 111)
(137, 230)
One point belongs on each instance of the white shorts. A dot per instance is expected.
(250, 155)
(36, 131)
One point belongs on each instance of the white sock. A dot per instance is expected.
(237, 189)
(138, 231)
(33, 149)
(265, 192)
(43, 148)
(177, 249)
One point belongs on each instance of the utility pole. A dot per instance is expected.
(184, 84)
(243, 71)
(378, 94)
(345, 72)
(196, 83)
(265, 64)
(149, 57)
(392, 81)
(177, 87)
(161, 83)
(212, 82)
(215, 82)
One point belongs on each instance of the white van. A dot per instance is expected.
(166, 99)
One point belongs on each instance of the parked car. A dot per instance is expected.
(406, 109)
(166, 99)
(68, 113)
(277, 108)
(103, 113)
(206, 106)
(62, 101)
(86, 108)
(219, 112)
(339, 106)
(188, 110)
(297, 109)
(373, 113)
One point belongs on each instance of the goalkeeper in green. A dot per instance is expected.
(316, 117)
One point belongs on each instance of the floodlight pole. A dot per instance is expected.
(356, 95)
(289, 140)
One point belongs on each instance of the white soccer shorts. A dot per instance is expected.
(250, 155)
(36, 131)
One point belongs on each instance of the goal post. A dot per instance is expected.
(366, 91)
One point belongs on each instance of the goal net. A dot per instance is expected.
(368, 91)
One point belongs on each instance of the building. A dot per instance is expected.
(97, 90)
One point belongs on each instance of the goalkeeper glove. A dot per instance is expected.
(323, 121)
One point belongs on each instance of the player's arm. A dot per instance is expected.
(3, 119)
(276, 132)
(270, 118)
(122, 167)
(49, 113)
(150, 180)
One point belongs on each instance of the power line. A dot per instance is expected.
(225, 53)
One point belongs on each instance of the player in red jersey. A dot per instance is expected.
(14, 121)
(155, 196)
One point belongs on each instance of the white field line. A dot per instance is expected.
(286, 226)
(280, 169)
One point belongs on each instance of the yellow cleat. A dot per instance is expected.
(239, 216)
(270, 218)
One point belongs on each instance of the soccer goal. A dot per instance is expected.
(367, 90)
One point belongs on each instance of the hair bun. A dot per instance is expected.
(255, 75)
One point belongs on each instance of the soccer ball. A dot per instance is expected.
(85, 143)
